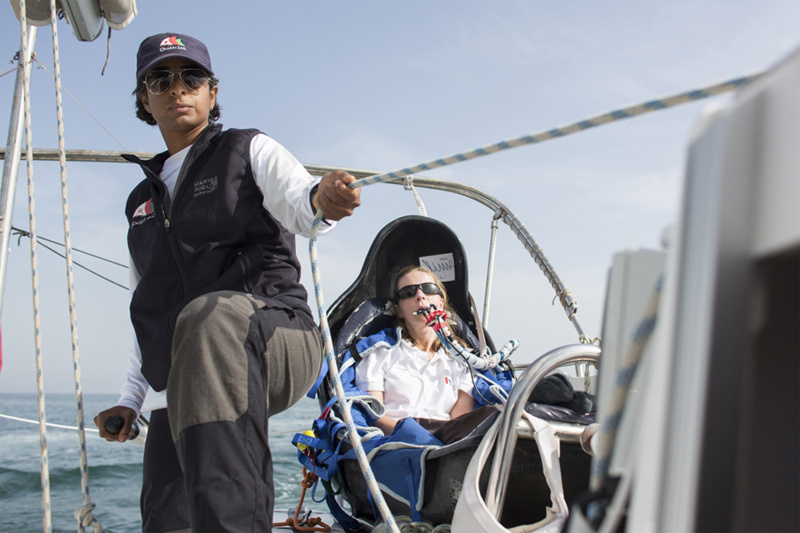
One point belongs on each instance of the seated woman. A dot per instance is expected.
(416, 377)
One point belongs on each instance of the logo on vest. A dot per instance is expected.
(205, 186)
(142, 213)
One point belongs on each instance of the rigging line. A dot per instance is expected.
(649, 106)
(85, 268)
(61, 426)
(553, 133)
(37, 337)
(598, 120)
(84, 108)
(333, 370)
(9, 71)
(48, 424)
(84, 514)
(24, 233)
(633, 353)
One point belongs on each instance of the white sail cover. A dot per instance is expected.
(472, 514)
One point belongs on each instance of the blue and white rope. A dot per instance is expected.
(333, 371)
(399, 175)
(562, 131)
(605, 437)
(45, 464)
(567, 302)
(84, 514)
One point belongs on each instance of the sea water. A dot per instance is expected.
(115, 470)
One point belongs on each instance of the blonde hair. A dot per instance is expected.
(451, 314)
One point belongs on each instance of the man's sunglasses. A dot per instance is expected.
(411, 290)
(158, 81)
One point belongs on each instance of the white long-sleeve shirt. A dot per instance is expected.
(286, 186)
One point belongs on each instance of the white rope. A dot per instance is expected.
(333, 371)
(49, 424)
(92, 430)
(84, 514)
(85, 518)
(45, 471)
(408, 184)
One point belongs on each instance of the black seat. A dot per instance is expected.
(367, 306)
(403, 242)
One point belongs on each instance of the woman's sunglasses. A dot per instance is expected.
(158, 81)
(411, 290)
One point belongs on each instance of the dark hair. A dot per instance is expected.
(143, 115)
(451, 314)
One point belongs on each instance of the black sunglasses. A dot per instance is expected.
(158, 81)
(411, 290)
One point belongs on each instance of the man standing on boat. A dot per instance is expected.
(219, 315)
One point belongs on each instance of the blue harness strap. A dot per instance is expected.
(345, 520)
(312, 392)
(412, 492)
(404, 477)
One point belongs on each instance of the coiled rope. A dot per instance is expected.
(398, 175)
(26, 84)
(407, 525)
(305, 522)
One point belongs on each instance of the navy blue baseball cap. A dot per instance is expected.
(156, 48)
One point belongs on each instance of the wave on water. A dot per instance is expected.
(115, 470)
(112, 489)
(13, 482)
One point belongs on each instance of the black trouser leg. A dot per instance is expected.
(163, 501)
(236, 360)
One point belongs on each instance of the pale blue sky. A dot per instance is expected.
(385, 85)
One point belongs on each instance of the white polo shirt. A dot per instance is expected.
(413, 386)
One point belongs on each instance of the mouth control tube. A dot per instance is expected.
(436, 319)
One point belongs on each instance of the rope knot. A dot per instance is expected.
(86, 518)
(309, 478)
(408, 184)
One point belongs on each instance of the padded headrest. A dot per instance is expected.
(370, 317)
(409, 240)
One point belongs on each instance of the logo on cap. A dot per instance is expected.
(170, 43)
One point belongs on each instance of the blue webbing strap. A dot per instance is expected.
(412, 494)
(322, 373)
(345, 520)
